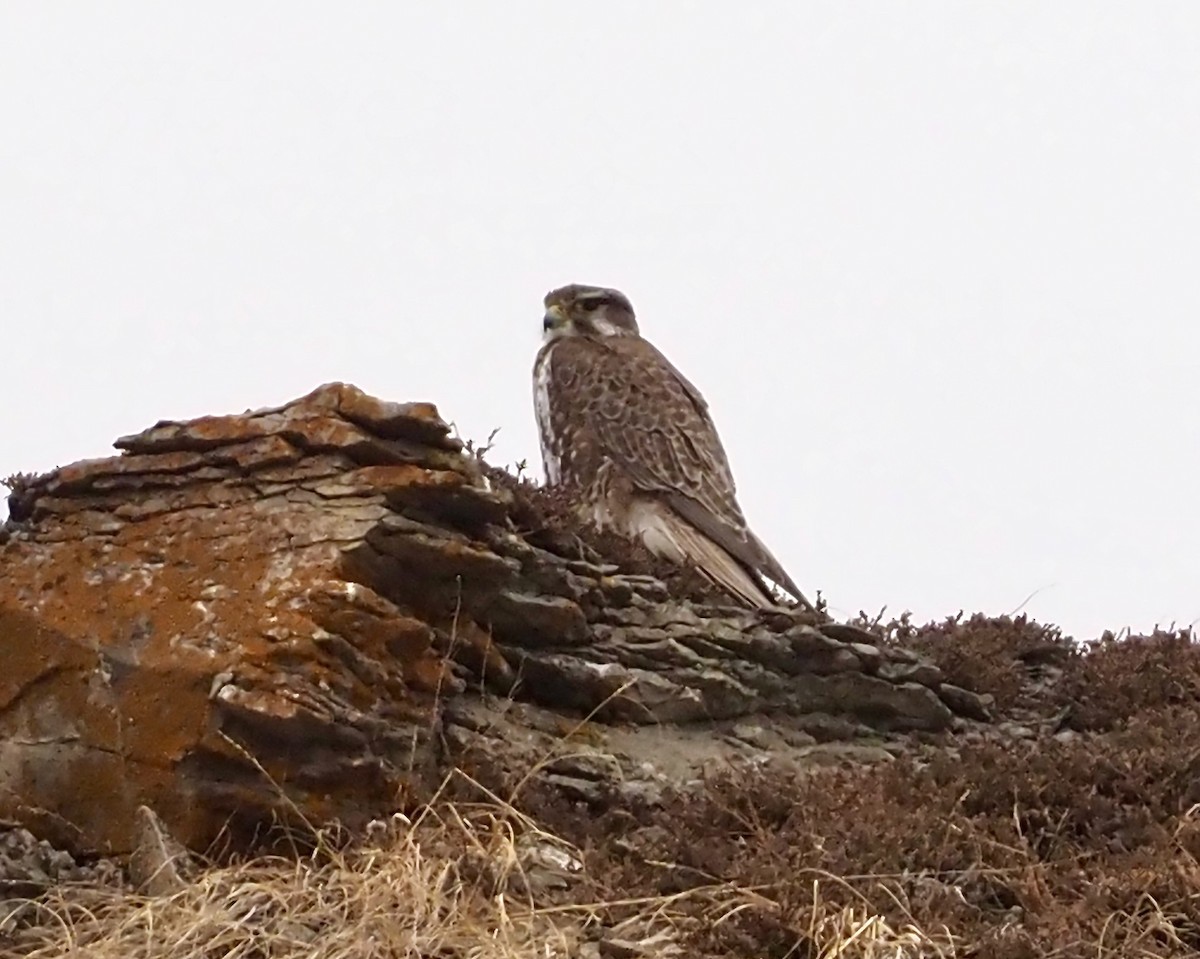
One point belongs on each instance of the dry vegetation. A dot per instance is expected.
(469, 879)
(1080, 843)
(1068, 828)
(1011, 844)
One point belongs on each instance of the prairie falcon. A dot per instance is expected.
(624, 428)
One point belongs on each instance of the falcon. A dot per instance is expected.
(627, 433)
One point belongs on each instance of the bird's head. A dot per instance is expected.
(594, 311)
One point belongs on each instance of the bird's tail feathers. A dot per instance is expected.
(774, 571)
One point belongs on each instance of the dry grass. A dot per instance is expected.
(486, 881)
(446, 885)
(464, 880)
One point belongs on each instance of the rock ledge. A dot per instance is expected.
(316, 610)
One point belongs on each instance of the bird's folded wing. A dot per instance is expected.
(655, 424)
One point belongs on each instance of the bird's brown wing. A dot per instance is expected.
(655, 424)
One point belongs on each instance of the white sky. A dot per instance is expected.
(936, 266)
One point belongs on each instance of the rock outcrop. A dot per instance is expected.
(312, 612)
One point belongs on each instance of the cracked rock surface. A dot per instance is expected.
(316, 610)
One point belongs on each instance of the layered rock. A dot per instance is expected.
(312, 612)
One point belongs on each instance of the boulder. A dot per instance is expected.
(313, 612)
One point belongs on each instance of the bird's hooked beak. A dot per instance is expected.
(554, 320)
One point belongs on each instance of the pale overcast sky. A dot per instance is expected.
(936, 266)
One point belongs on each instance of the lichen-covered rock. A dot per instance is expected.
(263, 617)
(177, 630)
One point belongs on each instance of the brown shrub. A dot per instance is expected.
(991, 654)
(1075, 845)
(1115, 680)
